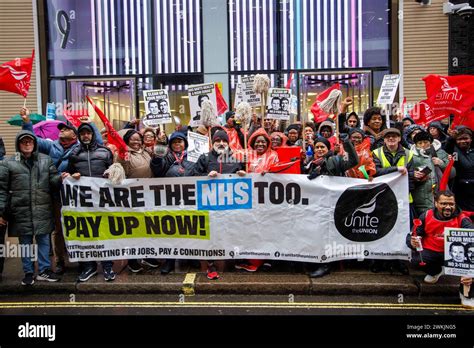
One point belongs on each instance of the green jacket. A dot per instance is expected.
(423, 191)
(25, 192)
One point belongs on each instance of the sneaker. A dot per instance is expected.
(433, 279)
(153, 263)
(48, 275)
(28, 280)
(466, 302)
(87, 274)
(246, 267)
(134, 266)
(109, 275)
(212, 273)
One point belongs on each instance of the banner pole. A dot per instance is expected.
(24, 103)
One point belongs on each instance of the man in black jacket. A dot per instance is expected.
(90, 159)
(218, 161)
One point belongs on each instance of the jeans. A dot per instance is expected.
(44, 247)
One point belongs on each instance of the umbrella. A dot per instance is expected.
(47, 129)
(17, 120)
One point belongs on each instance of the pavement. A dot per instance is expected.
(284, 278)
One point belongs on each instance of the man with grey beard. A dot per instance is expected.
(218, 161)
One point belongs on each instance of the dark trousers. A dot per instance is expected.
(3, 231)
(434, 261)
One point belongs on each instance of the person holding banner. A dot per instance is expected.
(59, 150)
(461, 146)
(374, 126)
(325, 162)
(430, 235)
(90, 159)
(174, 164)
(218, 161)
(27, 181)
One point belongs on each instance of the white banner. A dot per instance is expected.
(459, 251)
(281, 217)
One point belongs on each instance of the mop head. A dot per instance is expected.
(208, 114)
(243, 113)
(116, 173)
(331, 103)
(261, 83)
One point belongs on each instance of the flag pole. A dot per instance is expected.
(24, 103)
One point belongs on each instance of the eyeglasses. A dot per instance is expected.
(27, 141)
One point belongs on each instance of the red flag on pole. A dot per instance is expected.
(423, 114)
(113, 137)
(450, 94)
(443, 183)
(73, 116)
(319, 114)
(15, 75)
(290, 80)
(221, 104)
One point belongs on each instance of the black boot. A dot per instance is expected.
(320, 270)
(167, 267)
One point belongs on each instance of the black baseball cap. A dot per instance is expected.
(68, 126)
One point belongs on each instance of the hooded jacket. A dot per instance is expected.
(407, 140)
(443, 138)
(56, 151)
(365, 159)
(223, 164)
(174, 164)
(90, 159)
(284, 138)
(26, 187)
(261, 163)
(332, 139)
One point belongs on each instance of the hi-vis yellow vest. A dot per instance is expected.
(401, 162)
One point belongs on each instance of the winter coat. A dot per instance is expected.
(407, 140)
(236, 138)
(464, 181)
(376, 139)
(137, 165)
(443, 138)
(223, 164)
(174, 164)
(423, 190)
(2, 149)
(26, 187)
(261, 163)
(283, 137)
(90, 159)
(335, 165)
(56, 151)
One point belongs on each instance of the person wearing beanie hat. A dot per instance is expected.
(175, 163)
(236, 136)
(60, 151)
(374, 125)
(366, 166)
(462, 146)
(27, 181)
(325, 162)
(293, 132)
(218, 161)
(429, 164)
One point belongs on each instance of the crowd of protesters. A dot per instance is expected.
(29, 183)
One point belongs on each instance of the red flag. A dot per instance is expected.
(113, 137)
(450, 94)
(290, 80)
(466, 120)
(423, 114)
(319, 114)
(15, 75)
(443, 183)
(221, 104)
(73, 116)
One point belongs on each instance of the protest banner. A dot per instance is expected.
(280, 217)
(459, 251)
(197, 94)
(244, 92)
(278, 104)
(197, 145)
(156, 108)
